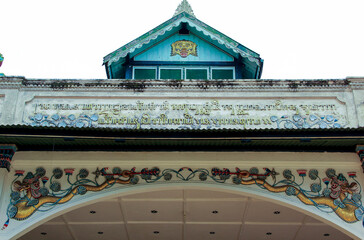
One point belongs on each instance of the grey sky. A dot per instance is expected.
(69, 38)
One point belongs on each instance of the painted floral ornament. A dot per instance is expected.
(338, 193)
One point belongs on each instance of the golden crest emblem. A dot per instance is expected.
(184, 48)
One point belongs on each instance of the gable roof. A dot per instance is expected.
(184, 14)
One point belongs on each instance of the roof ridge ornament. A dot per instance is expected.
(184, 6)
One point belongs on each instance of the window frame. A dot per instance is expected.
(173, 68)
(222, 68)
(199, 68)
(183, 69)
(144, 67)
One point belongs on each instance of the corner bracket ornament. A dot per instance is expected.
(360, 152)
(6, 155)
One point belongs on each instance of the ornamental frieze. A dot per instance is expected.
(330, 191)
(187, 113)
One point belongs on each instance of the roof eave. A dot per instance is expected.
(110, 139)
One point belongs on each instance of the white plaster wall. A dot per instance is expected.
(14, 99)
(19, 100)
(8, 102)
(358, 96)
(359, 104)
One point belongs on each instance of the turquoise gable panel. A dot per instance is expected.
(205, 51)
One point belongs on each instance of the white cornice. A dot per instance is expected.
(179, 85)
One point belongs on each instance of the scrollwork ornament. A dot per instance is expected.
(203, 176)
(356, 197)
(15, 196)
(330, 173)
(313, 174)
(44, 191)
(337, 193)
(287, 174)
(134, 180)
(13, 210)
(326, 192)
(40, 171)
(57, 173)
(83, 173)
(315, 187)
(81, 190)
(236, 180)
(116, 170)
(168, 176)
(55, 187)
(290, 191)
(32, 202)
(253, 170)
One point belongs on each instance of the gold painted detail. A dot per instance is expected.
(184, 48)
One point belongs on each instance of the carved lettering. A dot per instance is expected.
(189, 113)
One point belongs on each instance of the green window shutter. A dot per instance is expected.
(171, 74)
(222, 74)
(196, 73)
(140, 73)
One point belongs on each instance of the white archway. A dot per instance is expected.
(298, 169)
(39, 219)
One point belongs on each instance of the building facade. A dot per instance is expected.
(182, 114)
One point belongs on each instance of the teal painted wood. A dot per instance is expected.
(205, 51)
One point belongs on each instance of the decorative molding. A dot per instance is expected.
(184, 6)
(57, 120)
(298, 121)
(6, 155)
(187, 114)
(330, 193)
(229, 85)
(295, 121)
(184, 48)
(360, 152)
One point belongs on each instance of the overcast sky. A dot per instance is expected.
(307, 39)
